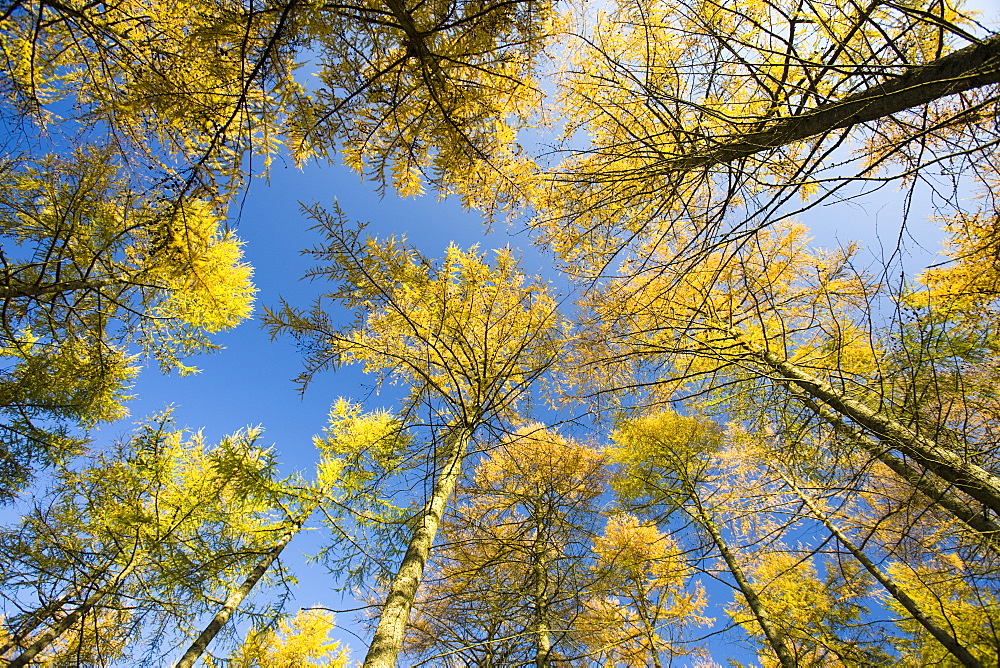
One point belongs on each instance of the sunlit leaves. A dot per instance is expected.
(641, 602)
(707, 118)
(468, 331)
(99, 273)
(416, 92)
(507, 579)
(302, 640)
(141, 536)
(941, 588)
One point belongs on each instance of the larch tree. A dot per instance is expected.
(943, 635)
(297, 641)
(100, 274)
(133, 126)
(467, 336)
(138, 541)
(776, 317)
(818, 613)
(641, 603)
(687, 129)
(668, 466)
(507, 581)
(722, 118)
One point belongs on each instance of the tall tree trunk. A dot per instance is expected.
(760, 613)
(36, 617)
(947, 640)
(987, 529)
(236, 596)
(975, 66)
(943, 462)
(67, 622)
(388, 639)
(540, 573)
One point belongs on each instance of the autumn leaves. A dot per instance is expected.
(816, 434)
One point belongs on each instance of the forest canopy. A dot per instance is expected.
(714, 441)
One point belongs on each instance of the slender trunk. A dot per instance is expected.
(388, 640)
(37, 617)
(969, 68)
(988, 530)
(943, 462)
(771, 632)
(643, 603)
(15, 291)
(543, 650)
(67, 622)
(236, 596)
(947, 640)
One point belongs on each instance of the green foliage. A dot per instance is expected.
(145, 534)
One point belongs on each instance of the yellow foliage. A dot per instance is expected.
(941, 590)
(357, 447)
(535, 464)
(967, 285)
(301, 641)
(91, 641)
(208, 284)
(774, 294)
(642, 551)
(470, 332)
(642, 601)
(659, 453)
(807, 610)
(657, 92)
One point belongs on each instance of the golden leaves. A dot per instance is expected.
(302, 640)
(642, 600)
(535, 463)
(468, 331)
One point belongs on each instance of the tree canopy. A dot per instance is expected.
(713, 433)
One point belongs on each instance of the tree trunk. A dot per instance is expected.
(975, 66)
(38, 616)
(773, 635)
(543, 647)
(944, 463)
(388, 640)
(67, 622)
(988, 530)
(236, 596)
(643, 603)
(947, 640)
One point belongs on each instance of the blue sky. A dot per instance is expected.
(250, 382)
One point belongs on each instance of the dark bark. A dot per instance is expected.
(947, 640)
(973, 67)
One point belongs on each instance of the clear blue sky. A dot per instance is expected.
(250, 382)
